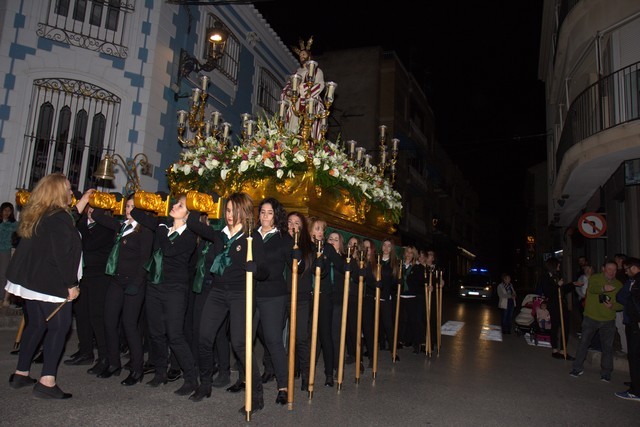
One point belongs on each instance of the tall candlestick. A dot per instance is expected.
(207, 128)
(367, 160)
(383, 157)
(225, 130)
(215, 118)
(295, 81)
(196, 95)
(395, 142)
(250, 124)
(205, 82)
(331, 88)
(359, 153)
(352, 147)
(383, 132)
(311, 70)
(311, 103)
(182, 118)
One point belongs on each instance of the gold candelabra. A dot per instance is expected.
(302, 98)
(194, 123)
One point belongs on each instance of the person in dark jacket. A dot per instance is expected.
(629, 297)
(44, 272)
(97, 242)
(166, 296)
(550, 282)
(124, 297)
(228, 293)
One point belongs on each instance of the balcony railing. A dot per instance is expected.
(611, 101)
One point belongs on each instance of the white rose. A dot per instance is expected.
(186, 169)
(244, 165)
(268, 163)
(223, 173)
(279, 173)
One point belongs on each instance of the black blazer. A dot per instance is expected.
(48, 262)
(97, 242)
(135, 250)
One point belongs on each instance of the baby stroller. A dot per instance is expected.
(527, 321)
(524, 319)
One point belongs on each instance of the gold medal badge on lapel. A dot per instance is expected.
(238, 248)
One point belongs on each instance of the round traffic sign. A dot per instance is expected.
(592, 225)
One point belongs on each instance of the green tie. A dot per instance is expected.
(404, 278)
(223, 260)
(200, 271)
(154, 265)
(112, 261)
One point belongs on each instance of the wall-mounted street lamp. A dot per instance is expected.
(217, 38)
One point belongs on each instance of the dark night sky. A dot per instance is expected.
(477, 62)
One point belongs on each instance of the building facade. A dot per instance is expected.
(590, 63)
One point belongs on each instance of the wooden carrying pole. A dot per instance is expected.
(314, 322)
(293, 325)
(359, 318)
(564, 338)
(376, 319)
(16, 344)
(58, 308)
(248, 333)
(394, 356)
(427, 292)
(343, 325)
(439, 312)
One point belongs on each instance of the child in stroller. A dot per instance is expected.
(529, 317)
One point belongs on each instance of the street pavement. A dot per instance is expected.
(472, 381)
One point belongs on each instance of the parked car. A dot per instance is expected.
(477, 284)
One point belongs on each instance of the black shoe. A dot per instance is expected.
(267, 376)
(237, 387)
(17, 381)
(100, 366)
(157, 380)
(41, 391)
(304, 385)
(203, 390)
(39, 357)
(328, 381)
(221, 380)
(148, 368)
(74, 355)
(133, 378)
(187, 388)
(174, 375)
(282, 397)
(82, 359)
(255, 407)
(110, 371)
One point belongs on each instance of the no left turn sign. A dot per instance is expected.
(592, 225)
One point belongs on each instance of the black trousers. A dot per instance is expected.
(387, 320)
(633, 356)
(352, 324)
(303, 336)
(123, 309)
(325, 336)
(272, 312)
(368, 315)
(54, 332)
(222, 348)
(221, 303)
(166, 307)
(89, 310)
(410, 330)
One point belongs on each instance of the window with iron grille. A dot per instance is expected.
(68, 131)
(96, 25)
(269, 89)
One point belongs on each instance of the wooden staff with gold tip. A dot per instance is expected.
(293, 325)
(58, 308)
(343, 325)
(394, 356)
(359, 318)
(564, 338)
(376, 319)
(248, 355)
(314, 321)
(439, 284)
(16, 343)
(427, 292)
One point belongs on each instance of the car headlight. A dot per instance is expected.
(461, 286)
(487, 288)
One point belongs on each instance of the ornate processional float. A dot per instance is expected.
(287, 157)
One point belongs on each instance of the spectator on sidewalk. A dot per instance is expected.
(629, 297)
(622, 277)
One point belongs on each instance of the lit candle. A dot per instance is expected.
(323, 122)
(352, 146)
(207, 128)
(311, 103)
(225, 130)
(311, 70)
(250, 124)
(215, 118)
(367, 160)
(196, 95)
(182, 118)
(395, 142)
(359, 153)
(205, 82)
(383, 132)
(331, 88)
(295, 81)
(282, 108)
(245, 117)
